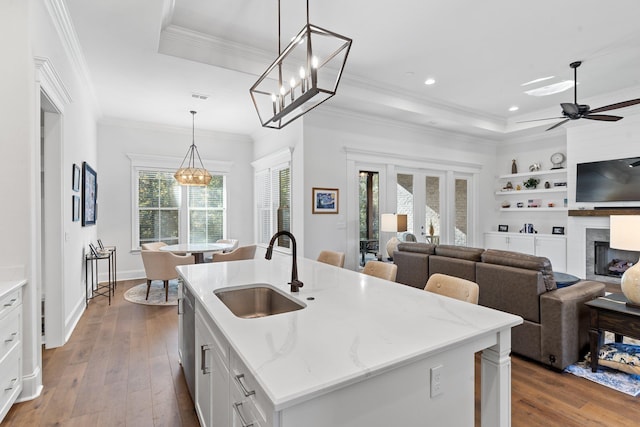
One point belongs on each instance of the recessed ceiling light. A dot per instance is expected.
(513, 108)
(551, 89)
(541, 79)
(430, 81)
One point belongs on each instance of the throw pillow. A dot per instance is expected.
(623, 357)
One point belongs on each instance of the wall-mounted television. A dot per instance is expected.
(609, 181)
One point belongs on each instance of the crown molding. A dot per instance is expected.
(64, 27)
(131, 124)
(200, 47)
(51, 83)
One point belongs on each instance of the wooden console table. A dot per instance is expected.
(611, 314)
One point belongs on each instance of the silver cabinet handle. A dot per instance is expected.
(180, 311)
(203, 359)
(246, 392)
(13, 382)
(10, 303)
(12, 337)
(237, 406)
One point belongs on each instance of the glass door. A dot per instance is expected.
(419, 196)
(369, 188)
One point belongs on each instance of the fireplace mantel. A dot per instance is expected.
(604, 212)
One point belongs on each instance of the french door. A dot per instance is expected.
(437, 205)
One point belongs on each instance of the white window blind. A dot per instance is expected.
(273, 204)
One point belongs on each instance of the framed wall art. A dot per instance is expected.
(75, 177)
(325, 200)
(557, 230)
(89, 194)
(75, 208)
(502, 227)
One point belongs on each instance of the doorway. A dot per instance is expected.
(369, 215)
(51, 225)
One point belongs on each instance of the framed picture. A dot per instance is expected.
(75, 208)
(75, 177)
(502, 227)
(89, 194)
(325, 200)
(557, 230)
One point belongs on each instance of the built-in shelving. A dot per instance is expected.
(534, 173)
(536, 191)
(554, 209)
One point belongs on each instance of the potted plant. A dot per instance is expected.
(531, 183)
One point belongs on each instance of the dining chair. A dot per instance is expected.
(160, 265)
(383, 270)
(154, 246)
(243, 252)
(233, 242)
(453, 287)
(332, 258)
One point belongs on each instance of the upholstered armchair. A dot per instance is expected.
(159, 265)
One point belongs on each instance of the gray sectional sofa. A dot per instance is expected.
(556, 321)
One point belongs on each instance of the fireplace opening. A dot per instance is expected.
(611, 262)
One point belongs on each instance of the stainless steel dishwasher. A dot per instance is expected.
(189, 339)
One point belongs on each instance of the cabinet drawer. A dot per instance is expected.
(246, 385)
(10, 301)
(10, 380)
(244, 410)
(10, 332)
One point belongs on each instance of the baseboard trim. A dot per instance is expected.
(31, 386)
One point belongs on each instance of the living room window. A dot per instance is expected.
(169, 213)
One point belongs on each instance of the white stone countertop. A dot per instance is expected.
(7, 286)
(355, 327)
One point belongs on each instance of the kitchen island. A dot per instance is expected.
(362, 352)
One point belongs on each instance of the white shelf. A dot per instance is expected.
(536, 191)
(562, 171)
(556, 209)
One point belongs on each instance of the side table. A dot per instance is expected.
(610, 313)
(96, 288)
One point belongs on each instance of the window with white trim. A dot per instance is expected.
(273, 199)
(167, 212)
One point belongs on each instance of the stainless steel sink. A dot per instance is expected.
(258, 300)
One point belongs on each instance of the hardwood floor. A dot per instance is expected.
(120, 368)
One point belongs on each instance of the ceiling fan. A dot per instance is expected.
(577, 111)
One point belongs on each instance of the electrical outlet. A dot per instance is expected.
(437, 373)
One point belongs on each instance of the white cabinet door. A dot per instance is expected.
(522, 243)
(496, 241)
(212, 378)
(554, 248)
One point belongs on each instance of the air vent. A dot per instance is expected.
(200, 96)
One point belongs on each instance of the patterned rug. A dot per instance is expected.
(617, 380)
(156, 294)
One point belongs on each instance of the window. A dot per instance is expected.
(171, 214)
(158, 207)
(273, 204)
(273, 198)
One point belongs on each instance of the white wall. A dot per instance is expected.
(116, 139)
(327, 138)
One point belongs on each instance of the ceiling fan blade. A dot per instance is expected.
(559, 124)
(539, 120)
(602, 117)
(618, 105)
(570, 109)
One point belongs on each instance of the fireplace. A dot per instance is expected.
(610, 262)
(602, 262)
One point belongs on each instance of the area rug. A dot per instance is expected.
(617, 380)
(156, 294)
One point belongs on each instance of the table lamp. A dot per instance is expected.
(393, 223)
(625, 235)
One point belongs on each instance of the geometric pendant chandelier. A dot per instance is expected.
(305, 74)
(189, 174)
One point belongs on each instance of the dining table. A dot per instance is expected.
(197, 249)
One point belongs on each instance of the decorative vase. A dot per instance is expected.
(514, 167)
(431, 229)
